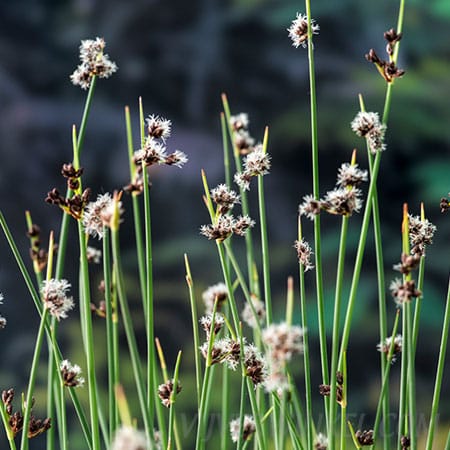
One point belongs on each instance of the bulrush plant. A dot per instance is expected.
(247, 351)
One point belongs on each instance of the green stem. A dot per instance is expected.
(8, 431)
(439, 375)
(385, 380)
(172, 402)
(336, 323)
(136, 209)
(306, 359)
(403, 383)
(111, 347)
(30, 390)
(411, 379)
(317, 237)
(151, 371)
(129, 331)
(85, 311)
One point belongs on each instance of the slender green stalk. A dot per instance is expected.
(296, 443)
(264, 239)
(194, 315)
(129, 331)
(439, 375)
(317, 237)
(136, 209)
(447, 444)
(381, 292)
(32, 380)
(244, 196)
(344, 402)
(111, 348)
(411, 379)
(306, 358)
(385, 380)
(402, 422)
(335, 339)
(8, 431)
(262, 444)
(172, 402)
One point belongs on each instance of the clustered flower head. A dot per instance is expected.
(100, 213)
(207, 322)
(94, 255)
(94, 62)
(385, 346)
(298, 31)
(283, 341)
(421, 234)
(54, 296)
(226, 225)
(165, 391)
(387, 69)
(154, 152)
(321, 442)
(325, 389)
(128, 438)
(254, 313)
(404, 291)
(304, 253)
(38, 255)
(71, 374)
(255, 163)
(407, 263)
(368, 125)
(342, 201)
(242, 140)
(215, 293)
(15, 420)
(444, 204)
(248, 428)
(2, 319)
(350, 175)
(364, 437)
(224, 198)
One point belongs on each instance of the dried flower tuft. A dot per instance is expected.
(94, 62)
(404, 291)
(369, 126)
(283, 341)
(128, 438)
(342, 201)
(364, 437)
(385, 346)
(298, 31)
(55, 298)
(421, 234)
(217, 292)
(250, 310)
(351, 175)
(310, 207)
(71, 374)
(224, 198)
(165, 391)
(248, 428)
(321, 442)
(304, 253)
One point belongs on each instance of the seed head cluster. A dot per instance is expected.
(71, 374)
(217, 292)
(404, 291)
(255, 163)
(128, 438)
(54, 296)
(165, 391)
(385, 346)
(254, 313)
(242, 140)
(421, 234)
(248, 428)
(298, 31)
(369, 126)
(94, 62)
(304, 254)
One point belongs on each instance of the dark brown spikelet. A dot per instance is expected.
(38, 426)
(16, 423)
(7, 399)
(364, 437)
(165, 391)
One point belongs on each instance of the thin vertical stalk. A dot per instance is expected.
(381, 293)
(439, 375)
(244, 197)
(317, 237)
(172, 403)
(344, 402)
(149, 298)
(129, 331)
(306, 359)
(403, 383)
(385, 380)
(111, 347)
(136, 210)
(8, 431)
(335, 339)
(32, 380)
(264, 239)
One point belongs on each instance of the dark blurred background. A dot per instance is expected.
(180, 56)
